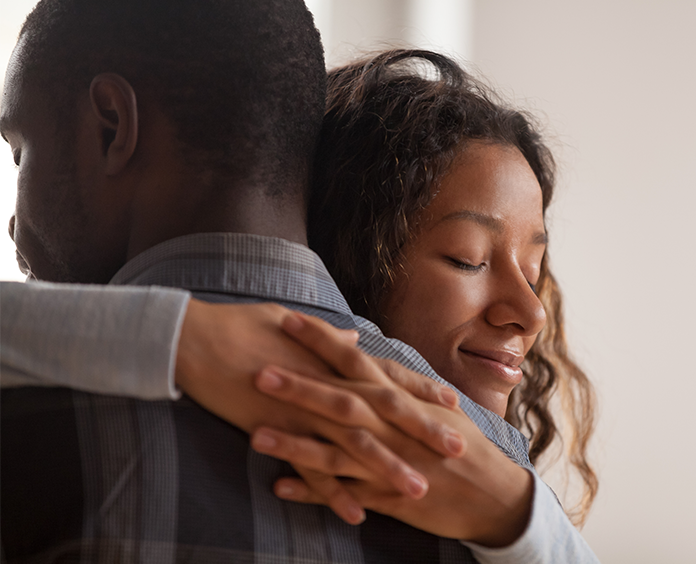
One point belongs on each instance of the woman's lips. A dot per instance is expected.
(504, 364)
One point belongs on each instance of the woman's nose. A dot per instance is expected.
(516, 305)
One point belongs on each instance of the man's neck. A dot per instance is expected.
(188, 211)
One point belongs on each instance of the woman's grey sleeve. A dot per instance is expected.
(113, 340)
(550, 537)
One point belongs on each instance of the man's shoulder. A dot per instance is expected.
(372, 340)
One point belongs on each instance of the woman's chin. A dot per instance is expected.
(488, 392)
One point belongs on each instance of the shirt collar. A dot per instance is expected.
(237, 263)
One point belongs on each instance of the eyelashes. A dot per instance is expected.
(467, 267)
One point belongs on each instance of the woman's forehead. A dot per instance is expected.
(487, 183)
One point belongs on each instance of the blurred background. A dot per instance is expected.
(614, 82)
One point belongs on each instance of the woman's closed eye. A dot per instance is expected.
(466, 266)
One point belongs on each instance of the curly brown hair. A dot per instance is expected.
(393, 126)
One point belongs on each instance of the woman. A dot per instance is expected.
(428, 210)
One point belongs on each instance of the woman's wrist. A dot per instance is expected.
(513, 498)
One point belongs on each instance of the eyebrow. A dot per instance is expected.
(491, 223)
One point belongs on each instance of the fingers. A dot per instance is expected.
(350, 336)
(296, 489)
(306, 452)
(334, 347)
(322, 489)
(354, 404)
(358, 443)
(415, 418)
(336, 403)
(419, 385)
(325, 341)
(340, 502)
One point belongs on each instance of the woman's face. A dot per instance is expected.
(464, 298)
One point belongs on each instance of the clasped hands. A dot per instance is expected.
(377, 437)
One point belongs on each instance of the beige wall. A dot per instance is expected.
(349, 27)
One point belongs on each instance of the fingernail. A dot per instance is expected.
(448, 396)
(355, 514)
(269, 379)
(293, 322)
(350, 335)
(454, 442)
(416, 486)
(264, 441)
(285, 490)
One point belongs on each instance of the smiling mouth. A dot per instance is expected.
(503, 364)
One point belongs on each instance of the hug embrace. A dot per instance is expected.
(185, 154)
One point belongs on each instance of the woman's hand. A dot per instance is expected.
(331, 345)
(479, 495)
(224, 347)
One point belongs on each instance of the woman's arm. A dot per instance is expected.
(505, 512)
(549, 537)
(468, 498)
(110, 340)
(481, 495)
(131, 341)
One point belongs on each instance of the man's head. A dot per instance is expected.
(109, 103)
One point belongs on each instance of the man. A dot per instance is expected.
(169, 142)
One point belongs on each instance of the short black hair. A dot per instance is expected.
(243, 81)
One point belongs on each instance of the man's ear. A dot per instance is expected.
(116, 108)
